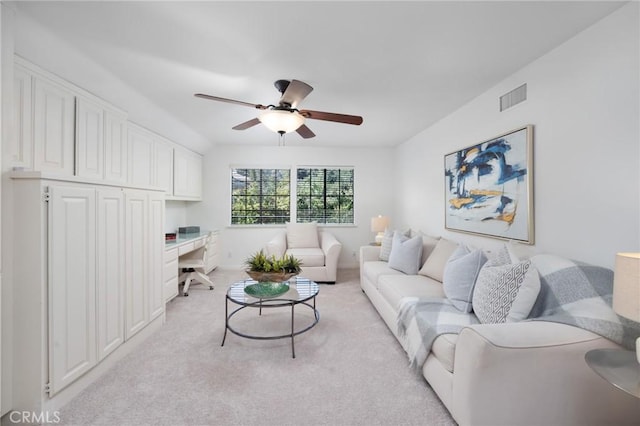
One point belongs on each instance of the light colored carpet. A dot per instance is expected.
(348, 370)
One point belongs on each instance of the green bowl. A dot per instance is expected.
(264, 290)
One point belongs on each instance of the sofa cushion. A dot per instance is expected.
(505, 293)
(387, 243)
(308, 256)
(434, 266)
(444, 348)
(302, 235)
(460, 275)
(405, 253)
(395, 287)
(372, 270)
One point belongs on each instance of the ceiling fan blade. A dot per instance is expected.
(246, 124)
(331, 116)
(295, 92)
(305, 132)
(231, 101)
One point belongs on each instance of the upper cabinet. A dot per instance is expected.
(187, 175)
(101, 141)
(53, 127)
(60, 128)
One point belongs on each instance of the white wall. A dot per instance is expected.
(175, 215)
(583, 100)
(373, 194)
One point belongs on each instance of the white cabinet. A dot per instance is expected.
(170, 275)
(150, 159)
(110, 270)
(187, 175)
(116, 152)
(89, 139)
(156, 254)
(140, 155)
(84, 253)
(101, 141)
(53, 127)
(213, 252)
(163, 165)
(20, 144)
(137, 314)
(144, 239)
(72, 290)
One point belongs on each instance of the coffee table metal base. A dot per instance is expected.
(272, 303)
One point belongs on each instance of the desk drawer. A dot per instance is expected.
(198, 243)
(186, 248)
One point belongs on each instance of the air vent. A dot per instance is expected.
(514, 97)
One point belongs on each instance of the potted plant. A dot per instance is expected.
(263, 268)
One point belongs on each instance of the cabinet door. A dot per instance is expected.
(170, 274)
(116, 147)
(53, 128)
(213, 249)
(163, 165)
(156, 254)
(187, 175)
(72, 283)
(180, 174)
(140, 156)
(21, 143)
(110, 271)
(136, 263)
(89, 139)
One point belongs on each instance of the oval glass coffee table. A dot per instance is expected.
(302, 293)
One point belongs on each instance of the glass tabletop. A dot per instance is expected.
(618, 367)
(300, 290)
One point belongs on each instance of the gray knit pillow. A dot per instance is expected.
(505, 293)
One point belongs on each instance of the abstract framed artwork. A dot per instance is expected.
(489, 187)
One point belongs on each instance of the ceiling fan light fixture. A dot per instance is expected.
(281, 121)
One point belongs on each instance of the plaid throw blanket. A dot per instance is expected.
(580, 294)
(421, 320)
(572, 293)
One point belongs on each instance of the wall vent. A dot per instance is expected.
(514, 97)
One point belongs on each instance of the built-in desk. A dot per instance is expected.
(183, 244)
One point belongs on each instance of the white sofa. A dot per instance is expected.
(523, 373)
(319, 258)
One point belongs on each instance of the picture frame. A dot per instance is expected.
(489, 187)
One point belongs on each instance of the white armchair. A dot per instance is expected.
(318, 250)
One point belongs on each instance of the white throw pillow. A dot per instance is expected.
(405, 253)
(437, 260)
(302, 235)
(505, 293)
(428, 244)
(387, 243)
(460, 275)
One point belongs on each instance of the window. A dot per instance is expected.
(325, 195)
(260, 196)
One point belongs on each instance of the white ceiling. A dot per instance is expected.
(400, 65)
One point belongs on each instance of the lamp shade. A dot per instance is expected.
(626, 286)
(379, 223)
(281, 121)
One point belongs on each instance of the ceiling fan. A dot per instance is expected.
(286, 117)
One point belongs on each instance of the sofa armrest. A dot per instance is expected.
(277, 245)
(539, 368)
(369, 253)
(331, 248)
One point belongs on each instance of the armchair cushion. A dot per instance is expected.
(302, 235)
(308, 256)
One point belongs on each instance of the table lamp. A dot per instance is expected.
(626, 289)
(378, 225)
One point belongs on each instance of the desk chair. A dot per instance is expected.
(192, 265)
